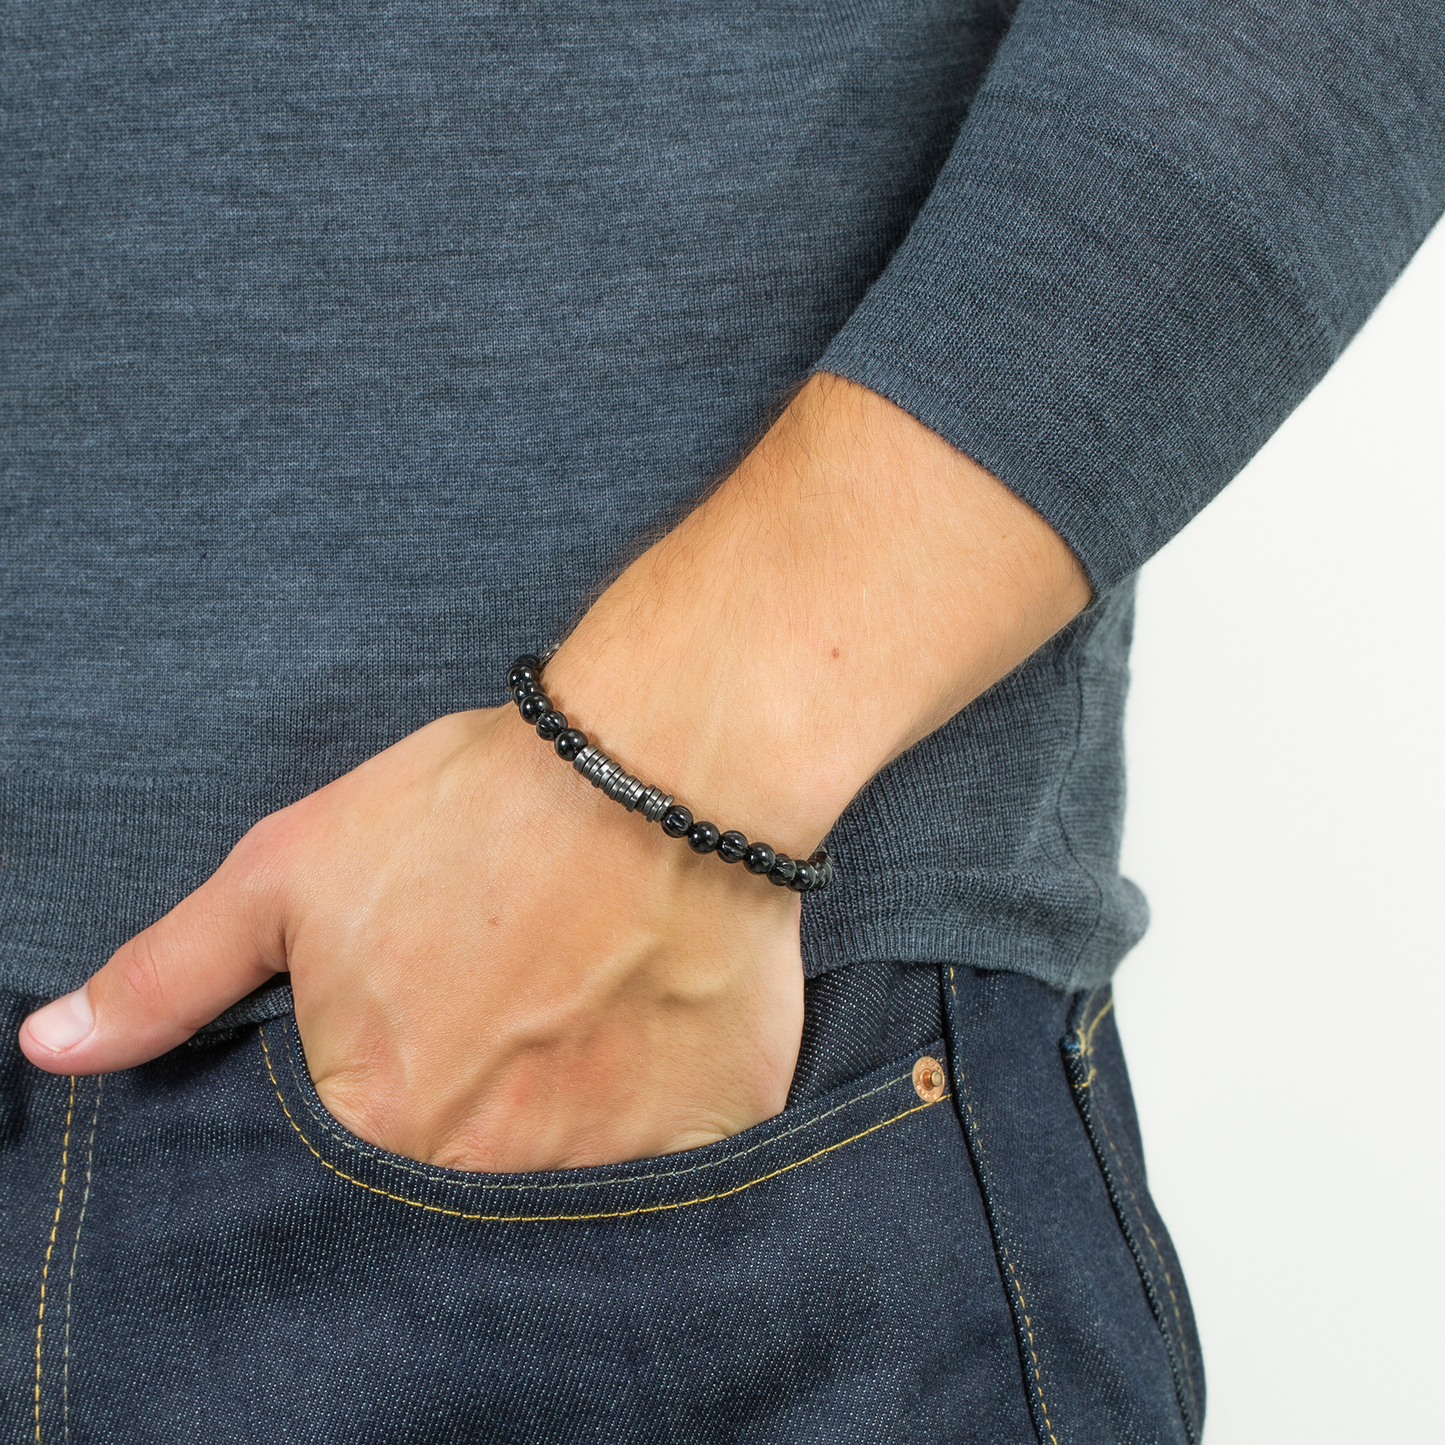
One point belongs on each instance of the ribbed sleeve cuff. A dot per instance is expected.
(1107, 333)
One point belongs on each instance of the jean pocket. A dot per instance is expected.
(805, 1135)
(825, 1275)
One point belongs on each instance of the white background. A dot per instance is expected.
(1283, 1017)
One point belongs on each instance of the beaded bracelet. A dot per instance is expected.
(524, 682)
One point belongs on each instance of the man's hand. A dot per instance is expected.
(494, 966)
(497, 968)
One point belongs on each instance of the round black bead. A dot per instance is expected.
(529, 687)
(550, 725)
(760, 858)
(805, 877)
(534, 705)
(782, 871)
(703, 837)
(676, 821)
(527, 665)
(570, 742)
(732, 847)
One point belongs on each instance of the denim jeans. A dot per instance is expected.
(197, 1250)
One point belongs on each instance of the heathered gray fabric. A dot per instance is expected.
(347, 349)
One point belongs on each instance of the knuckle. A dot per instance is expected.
(140, 974)
(357, 1080)
(356, 1099)
(258, 851)
(257, 870)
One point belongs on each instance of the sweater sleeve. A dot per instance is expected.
(1160, 223)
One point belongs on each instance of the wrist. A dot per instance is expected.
(699, 724)
(845, 592)
(660, 885)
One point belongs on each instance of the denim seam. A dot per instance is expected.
(580, 1218)
(49, 1249)
(1085, 1035)
(379, 1156)
(1028, 1326)
(74, 1253)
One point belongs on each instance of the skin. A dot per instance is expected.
(495, 967)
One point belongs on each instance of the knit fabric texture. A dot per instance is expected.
(345, 349)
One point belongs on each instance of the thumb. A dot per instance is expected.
(212, 949)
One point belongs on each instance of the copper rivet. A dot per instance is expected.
(928, 1079)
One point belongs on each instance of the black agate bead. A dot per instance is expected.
(760, 859)
(551, 725)
(732, 847)
(570, 742)
(676, 821)
(805, 877)
(782, 871)
(528, 687)
(528, 666)
(703, 837)
(534, 705)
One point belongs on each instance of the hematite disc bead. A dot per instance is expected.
(653, 803)
(760, 858)
(782, 871)
(805, 877)
(732, 847)
(703, 837)
(676, 821)
(570, 742)
(551, 725)
(527, 665)
(534, 705)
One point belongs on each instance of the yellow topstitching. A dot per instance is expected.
(45, 1271)
(1085, 1033)
(434, 1174)
(574, 1218)
(74, 1252)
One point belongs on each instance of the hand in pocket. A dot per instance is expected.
(494, 967)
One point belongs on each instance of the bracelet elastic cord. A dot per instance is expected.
(524, 682)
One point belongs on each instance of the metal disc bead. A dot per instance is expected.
(570, 742)
(703, 837)
(782, 871)
(551, 725)
(759, 859)
(653, 803)
(534, 705)
(732, 847)
(676, 821)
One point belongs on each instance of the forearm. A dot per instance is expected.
(850, 587)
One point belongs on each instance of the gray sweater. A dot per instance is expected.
(345, 348)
